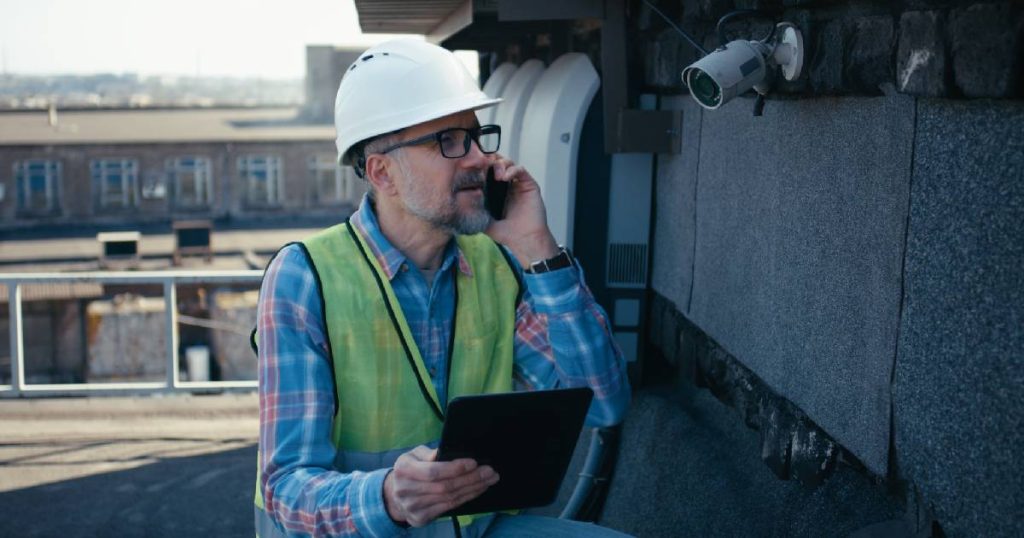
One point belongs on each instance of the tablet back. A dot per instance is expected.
(527, 437)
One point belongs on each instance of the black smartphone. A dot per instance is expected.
(495, 194)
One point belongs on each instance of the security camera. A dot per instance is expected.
(741, 65)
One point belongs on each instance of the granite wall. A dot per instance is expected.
(847, 270)
(958, 392)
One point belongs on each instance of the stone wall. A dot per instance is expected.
(928, 48)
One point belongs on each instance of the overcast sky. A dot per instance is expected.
(185, 37)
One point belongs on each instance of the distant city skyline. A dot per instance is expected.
(209, 38)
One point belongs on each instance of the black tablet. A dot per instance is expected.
(527, 437)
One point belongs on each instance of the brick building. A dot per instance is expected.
(125, 167)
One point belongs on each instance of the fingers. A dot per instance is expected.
(422, 453)
(505, 170)
(428, 514)
(427, 470)
(448, 493)
(483, 475)
(419, 489)
(425, 508)
(412, 484)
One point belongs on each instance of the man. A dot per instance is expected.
(367, 329)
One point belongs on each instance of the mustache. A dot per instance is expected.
(468, 180)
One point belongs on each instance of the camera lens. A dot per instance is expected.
(704, 88)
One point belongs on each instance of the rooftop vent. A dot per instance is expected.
(119, 249)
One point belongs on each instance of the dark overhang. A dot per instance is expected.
(436, 19)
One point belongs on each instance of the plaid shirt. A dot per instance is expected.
(562, 340)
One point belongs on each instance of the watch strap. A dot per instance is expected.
(559, 261)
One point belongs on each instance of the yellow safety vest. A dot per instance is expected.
(386, 402)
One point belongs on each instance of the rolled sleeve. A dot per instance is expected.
(556, 292)
(563, 339)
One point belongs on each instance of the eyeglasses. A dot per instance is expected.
(454, 142)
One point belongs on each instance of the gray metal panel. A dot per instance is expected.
(629, 221)
(801, 220)
(674, 212)
(959, 383)
(626, 312)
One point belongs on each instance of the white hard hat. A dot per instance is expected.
(398, 84)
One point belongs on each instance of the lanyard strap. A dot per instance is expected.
(398, 329)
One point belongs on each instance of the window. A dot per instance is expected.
(192, 181)
(38, 183)
(261, 178)
(332, 183)
(115, 181)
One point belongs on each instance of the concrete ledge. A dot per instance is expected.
(687, 467)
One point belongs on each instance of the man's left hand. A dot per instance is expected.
(524, 230)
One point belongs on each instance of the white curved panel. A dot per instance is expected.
(509, 113)
(493, 88)
(550, 138)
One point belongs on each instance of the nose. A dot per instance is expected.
(475, 158)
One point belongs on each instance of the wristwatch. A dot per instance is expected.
(559, 261)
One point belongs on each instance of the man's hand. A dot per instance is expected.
(524, 229)
(419, 489)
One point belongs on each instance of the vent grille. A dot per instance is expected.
(627, 265)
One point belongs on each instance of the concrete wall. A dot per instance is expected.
(126, 340)
(325, 65)
(234, 314)
(53, 342)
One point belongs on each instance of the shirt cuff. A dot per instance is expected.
(371, 517)
(555, 292)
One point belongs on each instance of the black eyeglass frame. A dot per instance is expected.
(472, 134)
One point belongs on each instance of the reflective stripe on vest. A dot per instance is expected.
(386, 401)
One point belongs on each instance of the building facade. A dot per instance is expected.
(141, 166)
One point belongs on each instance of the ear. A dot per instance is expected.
(380, 173)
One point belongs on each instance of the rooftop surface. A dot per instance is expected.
(128, 466)
(142, 126)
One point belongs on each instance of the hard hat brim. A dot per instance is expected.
(410, 118)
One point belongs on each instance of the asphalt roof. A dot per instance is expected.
(141, 126)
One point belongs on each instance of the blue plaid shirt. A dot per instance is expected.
(562, 339)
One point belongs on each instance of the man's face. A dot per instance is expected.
(447, 193)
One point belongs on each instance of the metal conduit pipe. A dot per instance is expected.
(591, 486)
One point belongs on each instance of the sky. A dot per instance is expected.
(172, 37)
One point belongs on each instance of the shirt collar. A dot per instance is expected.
(390, 258)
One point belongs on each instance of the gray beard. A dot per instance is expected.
(456, 223)
(451, 220)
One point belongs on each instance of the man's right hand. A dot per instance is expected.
(419, 489)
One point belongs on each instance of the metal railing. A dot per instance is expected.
(169, 279)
